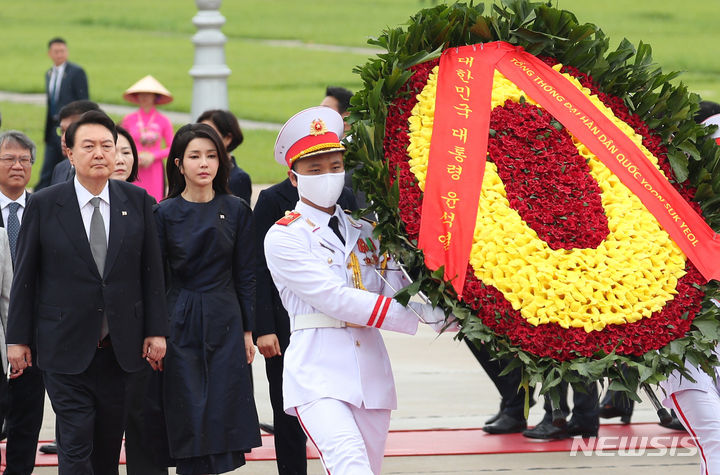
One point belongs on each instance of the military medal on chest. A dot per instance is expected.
(369, 249)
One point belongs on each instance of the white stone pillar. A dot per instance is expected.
(209, 70)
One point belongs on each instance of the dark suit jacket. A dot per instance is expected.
(62, 172)
(59, 298)
(74, 87)
(239, 182)
(271, 205)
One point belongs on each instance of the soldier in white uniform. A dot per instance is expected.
(337, 378)
(697, 404)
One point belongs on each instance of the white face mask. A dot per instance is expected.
(322, 190)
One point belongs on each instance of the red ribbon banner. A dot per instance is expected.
(583, 119)
(456, 163)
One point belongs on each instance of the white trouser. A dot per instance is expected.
(699, 412)
(350, 440)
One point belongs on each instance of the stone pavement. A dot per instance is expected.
(440, 385)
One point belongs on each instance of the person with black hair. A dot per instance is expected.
(228, 128)
(90, 300)
(707, 110)
(65, 82)
(207, 240)
(338, 99)
(126, 157)
(64, 171)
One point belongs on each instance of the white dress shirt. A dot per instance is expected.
(86, 208)
(5, 203)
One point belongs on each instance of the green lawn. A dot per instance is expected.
(119, 42)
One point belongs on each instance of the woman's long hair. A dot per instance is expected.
(134, 171)
(186, 133)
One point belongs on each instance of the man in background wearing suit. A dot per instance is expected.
(89, 289)
(26, 395)
(272, 325)
(65, 82)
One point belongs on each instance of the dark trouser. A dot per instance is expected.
(289, 437)
(53, 156)
(585, 410)
(619, 399)
(89, 416)
(512, 400)
(26, 401)
(3, 399)
(138, 450)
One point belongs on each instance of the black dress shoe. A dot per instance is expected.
(675, 424)
(49, 448)
(584, 430)
(505, 425)
(546, 431)
(493, 418)
(616, 404)
(608, 412)
(268, 428)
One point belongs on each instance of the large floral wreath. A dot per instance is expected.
(569, 274)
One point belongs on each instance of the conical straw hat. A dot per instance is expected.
(151, 85)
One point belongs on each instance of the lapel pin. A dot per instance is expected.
(124, 213)
(222, 216)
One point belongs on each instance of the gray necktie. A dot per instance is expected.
(98, 247)
(55, 88)
(13, 228)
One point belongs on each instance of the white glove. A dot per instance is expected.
(435, 317)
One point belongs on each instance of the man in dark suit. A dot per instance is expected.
(511, 417)
(25, 396)
(272, 326)
(65, 82)
(89, 290)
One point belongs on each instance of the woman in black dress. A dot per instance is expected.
(206, 235)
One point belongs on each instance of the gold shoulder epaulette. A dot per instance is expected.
(289, 218)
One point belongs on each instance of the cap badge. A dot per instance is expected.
(318, 127)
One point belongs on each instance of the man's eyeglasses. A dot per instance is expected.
(59, 131)
(9, 160)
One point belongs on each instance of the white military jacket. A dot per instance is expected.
(315, 277)
(703, 382)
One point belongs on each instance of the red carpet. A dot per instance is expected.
(408, 443)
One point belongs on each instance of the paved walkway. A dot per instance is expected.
(175, 117)
(440, 385)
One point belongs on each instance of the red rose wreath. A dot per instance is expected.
(569, 274)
